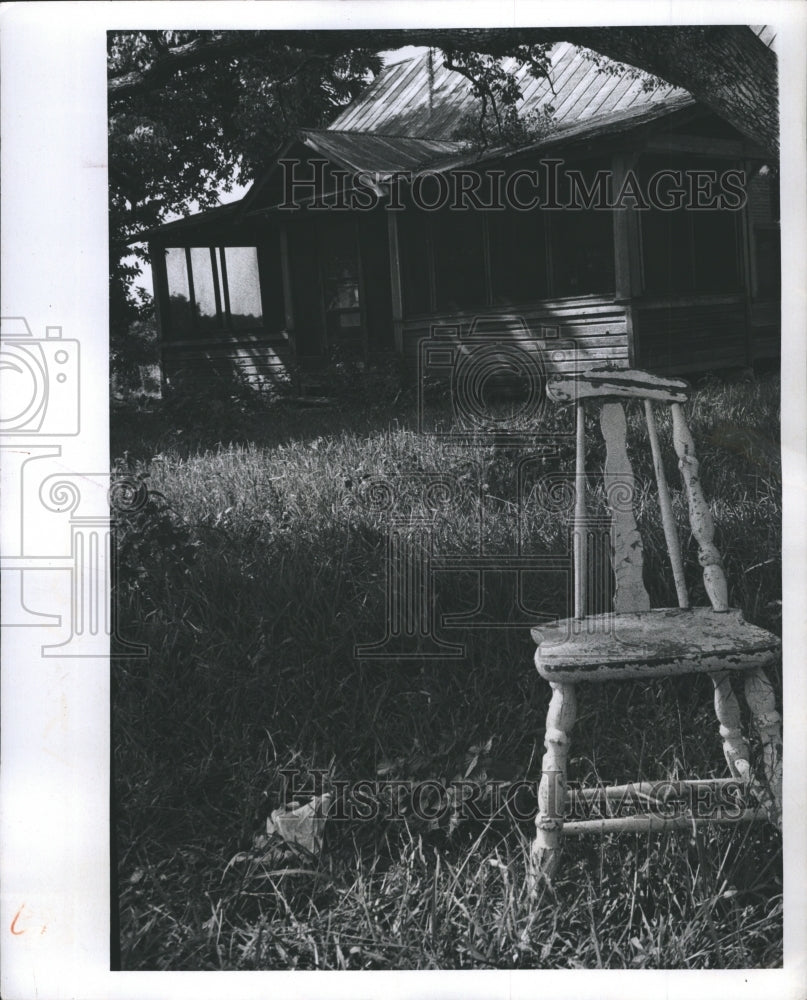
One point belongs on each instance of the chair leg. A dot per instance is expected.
(762, 703)
(727, 710)
(552, 791)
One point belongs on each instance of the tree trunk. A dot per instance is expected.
(727, 68)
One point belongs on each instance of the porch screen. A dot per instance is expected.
(763, 204)
(688, 249)
(581, 234)
(212, 291)
(459, 259)
(180, 311)
(415, 250)
(243, 287)
(518, 256)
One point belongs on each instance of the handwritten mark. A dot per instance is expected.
(16, 930)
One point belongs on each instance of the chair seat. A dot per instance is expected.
(657, 643)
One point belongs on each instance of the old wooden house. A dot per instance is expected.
(631, 223)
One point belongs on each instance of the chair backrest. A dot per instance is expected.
(608, 388)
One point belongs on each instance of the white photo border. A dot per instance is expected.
(54, 893)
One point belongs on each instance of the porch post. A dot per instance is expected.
(627, 250)
(285, 271)
(747, 265)
(395, 280)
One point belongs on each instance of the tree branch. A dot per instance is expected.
(198, 52)
(726, 68)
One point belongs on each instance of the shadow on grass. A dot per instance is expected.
(253, 585)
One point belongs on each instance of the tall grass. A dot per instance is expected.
(252, 573)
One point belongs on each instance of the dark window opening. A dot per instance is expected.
(459, 259)
(415, 251)
(686, 249)
(518, 256)
(763, 194)
(768, 254)
(340, 271)
(582, 239)
(339, 262)
(582, 252)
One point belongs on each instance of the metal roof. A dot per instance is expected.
(580, 131)
(765, 33)
(378, 154)
(402, 121)
(218, 213)
(403, 101)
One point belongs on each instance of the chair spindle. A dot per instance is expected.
(620, 486)
(580, 538)
(700, 517)
(667, 517)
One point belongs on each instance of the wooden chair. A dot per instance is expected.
(635, 642)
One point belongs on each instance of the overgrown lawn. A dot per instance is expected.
(257, 565)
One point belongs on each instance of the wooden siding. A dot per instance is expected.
(261, 361)
(692, 336)
(573, 334)
(766, 330)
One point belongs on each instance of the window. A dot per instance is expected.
(459, 259)
(763, 197)
(206, 290)
(455, 259)
(179, 295)
(686, 249)
(415, 250)
(518, 256)
(242, 287)
(582, 242)
(339, 260)
(339, 265)
(212, 291)
(582, 238)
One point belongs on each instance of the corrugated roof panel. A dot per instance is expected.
(407, 92)
(451, 105)
(593, 84)
(586, 129)
(403, 101)
(371, 112)
(629, 98)
(547, 89)
(566, 66)
(374, 153)
(439, 117)
(412, 102)
(598, 101)
(578, 80)
(390, 84)
(765, 33)
(612, 97)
